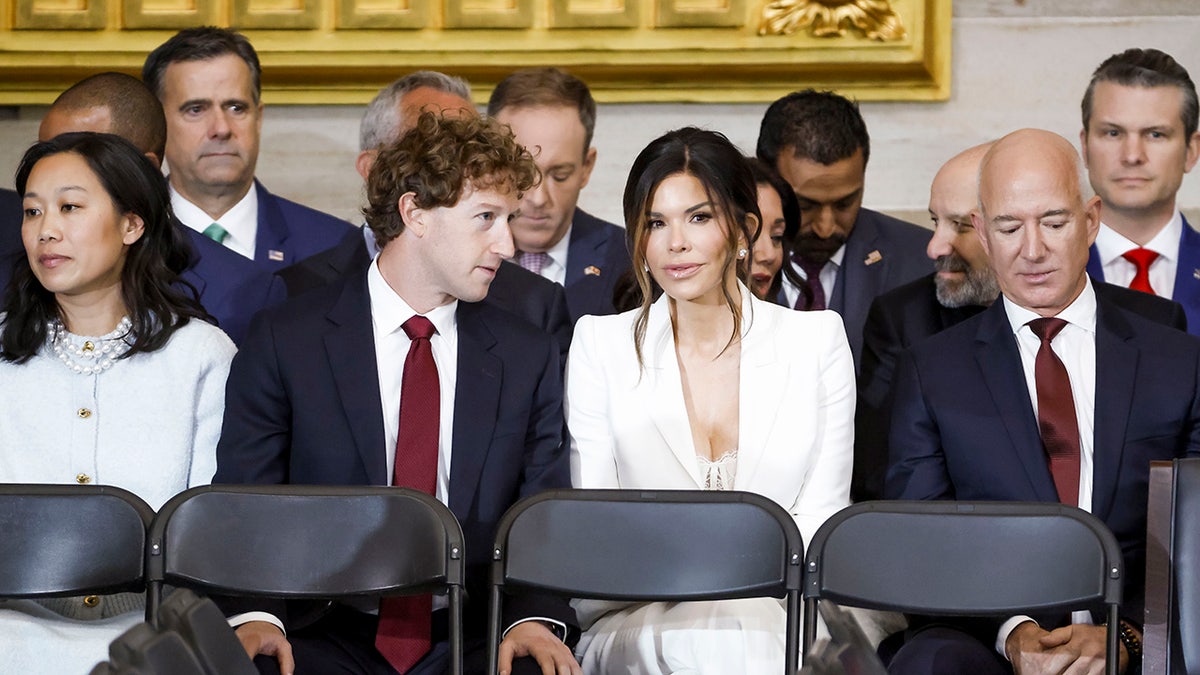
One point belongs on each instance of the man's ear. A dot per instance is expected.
(589, 163)
(412, 215)
(364, 162)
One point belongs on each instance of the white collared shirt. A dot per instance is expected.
(1075, 346)
(555, 268)
(240, 221)
(1110, 245)
(828, 278)
(388, 313)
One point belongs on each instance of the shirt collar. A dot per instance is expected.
(389, 311)
(1111, 244)
(240, 221)
(1081, 312)
(558, 252)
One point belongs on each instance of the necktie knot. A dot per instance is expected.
(1141, 258)
(418, 328)
(811, 268)
(216, 233)
(534, 262)
(1047, 328)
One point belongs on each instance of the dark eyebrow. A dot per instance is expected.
(697, 207)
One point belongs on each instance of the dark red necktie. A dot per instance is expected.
(812, 270)
(404, 622)
(1141, 259)
(1056, 412)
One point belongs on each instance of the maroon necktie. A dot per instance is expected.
(1056, 412)
(404, 622)
(1141, 259)
(812, 270)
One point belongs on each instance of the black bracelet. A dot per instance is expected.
(1129, 638)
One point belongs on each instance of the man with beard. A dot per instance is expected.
(818, 142)
(962, 286)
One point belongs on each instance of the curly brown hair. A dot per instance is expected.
(435, 160)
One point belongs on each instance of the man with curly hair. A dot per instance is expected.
(384, 377)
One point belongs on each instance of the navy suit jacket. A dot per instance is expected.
(882, 253)
(963, 426)
(596, 258)
(1187, 275)
(289, 232)
(514, 289)
(11, 246)
(302, 406)
(232, 288)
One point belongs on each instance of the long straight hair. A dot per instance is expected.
(153, 263)
(709, 157)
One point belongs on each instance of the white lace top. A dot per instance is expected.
(719, 473)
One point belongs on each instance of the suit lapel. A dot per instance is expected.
(270, 241)
(1094, 268)
(763, 378)
(476, 402)
(857, 282)
(1116, 372)
(350, 348)
(1187, 276)
(664, 400)
(1000, 362)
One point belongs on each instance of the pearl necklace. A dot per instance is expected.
(87, 355)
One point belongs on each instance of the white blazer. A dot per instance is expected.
(629, 428)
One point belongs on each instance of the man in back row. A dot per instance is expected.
(208, 80)
(553, 115)
(818, 142)
(1139, 138)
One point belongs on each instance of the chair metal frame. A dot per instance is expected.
(279, 561)
(544, 545)
(101, 527)
(852, 551)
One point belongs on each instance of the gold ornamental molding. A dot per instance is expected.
(343, 51)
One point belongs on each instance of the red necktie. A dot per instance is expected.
(404, 622)
(1056, 412)
(812, 271)
(1141, 258)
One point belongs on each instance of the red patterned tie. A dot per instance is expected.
(404, 622)
(812, 271)
(1056, 412)
(1141, 259)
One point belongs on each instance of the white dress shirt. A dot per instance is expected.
(1075, 346)
(1110, 245)
(828, 278)
(241, 221)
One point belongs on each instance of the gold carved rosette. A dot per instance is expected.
(343, 51)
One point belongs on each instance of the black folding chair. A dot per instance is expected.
(644, 545)
(964, 558)
(294, 542)
(142, 650)
(64, 540)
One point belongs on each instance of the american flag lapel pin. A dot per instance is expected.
(275, 255)
(591, 271)
(873, 257)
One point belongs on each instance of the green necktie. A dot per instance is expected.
(216, 233)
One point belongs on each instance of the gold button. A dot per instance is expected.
(84, 413)
(91, 601)
(83, 479)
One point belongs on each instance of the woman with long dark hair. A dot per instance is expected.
(108, 373)
(705, 387)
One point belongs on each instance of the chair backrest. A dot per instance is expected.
(64, 540)
(301, 541)
(142, 650)
(964, 558)
(1183, 652)
(643, 545)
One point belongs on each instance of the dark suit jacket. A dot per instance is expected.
(302, 406)
(289, 232)
(11, 246)
(232, 288)
(1187, 275)
(963, 426)
(596, 258)
(897, 319)
(514, 289)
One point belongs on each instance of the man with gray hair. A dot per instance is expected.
(392, 112)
